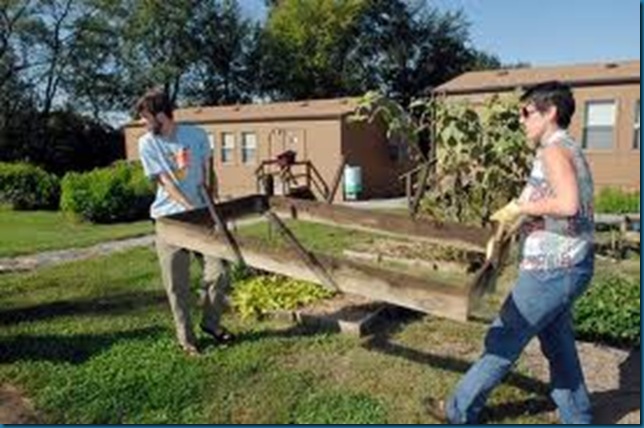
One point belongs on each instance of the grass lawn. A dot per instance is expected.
(26, 232)
(92, 342)
(314, 236)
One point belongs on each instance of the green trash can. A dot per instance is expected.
(352, 182)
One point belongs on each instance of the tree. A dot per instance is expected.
(94, 83)
(331, 48)
(305, 47)
(159, 43)
(408, 48)
(222, 73)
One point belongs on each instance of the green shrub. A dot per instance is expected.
(609, 312)
(616, 201)
(266, 293)
(107, 195)
(27, 187)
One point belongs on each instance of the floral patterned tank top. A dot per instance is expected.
(549, 242)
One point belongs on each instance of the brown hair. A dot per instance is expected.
(154, 101)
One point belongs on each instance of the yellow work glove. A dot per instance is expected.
(507, 215)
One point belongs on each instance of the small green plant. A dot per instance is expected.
(609, 312)
(262, 294)
(107, 195)
(28, 187)
(617, 201)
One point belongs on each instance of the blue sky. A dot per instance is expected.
(542, 32)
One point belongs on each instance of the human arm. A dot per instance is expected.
(166, 182)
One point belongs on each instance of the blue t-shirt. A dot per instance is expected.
(182, 158)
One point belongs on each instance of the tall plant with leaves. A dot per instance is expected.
(479, 152)
(402, 127)
(482, 158)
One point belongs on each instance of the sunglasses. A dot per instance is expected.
(526, 113)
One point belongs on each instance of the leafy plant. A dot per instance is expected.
(266, 293)
(106, 195)
(28, 187)
(479, 155)
(610, 312)
(617, 201)
(482, 159)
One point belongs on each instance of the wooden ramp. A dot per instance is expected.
(195, 231)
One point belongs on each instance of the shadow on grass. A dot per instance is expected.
(395, 322)
(293, 331)
(611, 406)
(73, 349)
(107, 305)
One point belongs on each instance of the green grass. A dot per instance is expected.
(313, 236)
(26, 232)
(92, 342)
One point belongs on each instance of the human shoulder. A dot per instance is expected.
(146, 142)
(552, 152)
(145, 138)
(556, 157)
(194, 136)
(191, 130)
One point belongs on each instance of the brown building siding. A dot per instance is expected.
(618, 166)
(366, 146)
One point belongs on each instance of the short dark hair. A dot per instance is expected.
(154, 101)
(554, 93)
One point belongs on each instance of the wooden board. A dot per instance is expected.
(194, 230)
(433, 297)
(451, 234)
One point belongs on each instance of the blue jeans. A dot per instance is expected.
(539, 305)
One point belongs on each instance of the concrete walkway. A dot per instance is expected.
(49, 258)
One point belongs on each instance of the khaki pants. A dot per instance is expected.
(175, 273)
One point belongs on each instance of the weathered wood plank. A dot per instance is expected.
(228, 210)
(432, 297)
(452, 234)
(219, 221)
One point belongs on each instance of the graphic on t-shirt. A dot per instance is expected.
(182, 160)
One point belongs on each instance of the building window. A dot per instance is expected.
(599, 125)
(636, 140)
(211, 142)
(248, 147)
(227, 147)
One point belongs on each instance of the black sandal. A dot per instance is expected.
(223, 337)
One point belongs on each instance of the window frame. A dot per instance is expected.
(586, 127)
(227, 154)
(243, 148)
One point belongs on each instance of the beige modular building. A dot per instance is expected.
(319, 131)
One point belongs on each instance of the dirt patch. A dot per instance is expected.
(15, 408)
(613, 377)
(419, 251)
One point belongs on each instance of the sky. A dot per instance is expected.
(542, 32)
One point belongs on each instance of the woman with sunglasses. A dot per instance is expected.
(556, 214)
